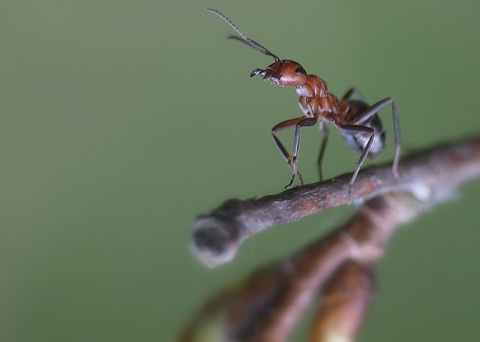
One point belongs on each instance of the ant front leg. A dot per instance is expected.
(291, 160)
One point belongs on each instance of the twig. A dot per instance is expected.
(336, 268)
(430, 175)
(344, 303)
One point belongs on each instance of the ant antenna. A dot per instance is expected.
(243, 38)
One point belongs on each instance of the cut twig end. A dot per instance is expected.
(215, 239)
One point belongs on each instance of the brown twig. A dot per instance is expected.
(344, 302)
(336, 268)
(429, 175)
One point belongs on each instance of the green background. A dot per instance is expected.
(122, 120)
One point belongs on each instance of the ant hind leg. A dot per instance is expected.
(355, 94)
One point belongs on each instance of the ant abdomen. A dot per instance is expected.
(359, 140)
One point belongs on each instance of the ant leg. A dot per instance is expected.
(360, 129)
(283, 151)
(396, 127)
(396, 130)
(291, 160)
(323, 147)
(355, 93)
(294, 157)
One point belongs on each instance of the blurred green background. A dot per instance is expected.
(122, 120)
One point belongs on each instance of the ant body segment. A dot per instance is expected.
(358, 122)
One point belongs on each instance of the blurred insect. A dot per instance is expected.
(358, 122)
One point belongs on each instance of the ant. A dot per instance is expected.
(358, 122)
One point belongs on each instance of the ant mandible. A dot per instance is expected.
(358, 122)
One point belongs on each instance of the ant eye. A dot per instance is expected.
(300, 71)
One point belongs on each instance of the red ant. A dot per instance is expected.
(357, 121)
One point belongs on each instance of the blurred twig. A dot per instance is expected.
(335, 269)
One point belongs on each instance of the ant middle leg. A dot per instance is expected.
(323, 147)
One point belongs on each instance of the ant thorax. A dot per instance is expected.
(314, 87)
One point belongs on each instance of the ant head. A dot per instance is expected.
(284, 73)
(280, 72)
